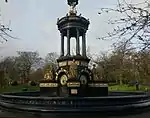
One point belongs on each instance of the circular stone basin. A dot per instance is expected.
(114, 102)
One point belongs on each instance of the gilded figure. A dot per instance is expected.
(49, 74)
(73, 69)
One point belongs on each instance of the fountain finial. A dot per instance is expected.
(72, 4)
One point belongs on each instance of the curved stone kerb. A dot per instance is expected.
(74, 104)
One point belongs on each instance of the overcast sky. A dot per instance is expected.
(34, 23)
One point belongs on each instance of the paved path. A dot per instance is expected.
(11, 115)
(6, 115)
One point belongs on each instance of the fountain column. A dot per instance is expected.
(68, 42)
(83, 45)
(77, 42)
(62, 44)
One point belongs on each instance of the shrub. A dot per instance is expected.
(24, 89)
(32, 83)
(14, 83)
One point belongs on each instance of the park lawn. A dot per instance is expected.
(18, 88)
(127, 88)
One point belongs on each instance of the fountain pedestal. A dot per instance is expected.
(49, 88)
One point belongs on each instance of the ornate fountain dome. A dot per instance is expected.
(74, 23)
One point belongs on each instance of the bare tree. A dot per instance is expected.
(5, 31)
(133, 24)
(37, 75)
(4, 35)
(25, 61)
(7, 66)
(51, 59)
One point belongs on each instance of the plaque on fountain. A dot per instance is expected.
(74, 91)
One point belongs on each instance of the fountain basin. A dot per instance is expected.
(114, 102)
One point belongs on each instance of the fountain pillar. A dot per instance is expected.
(68, 42)
(83, 45)
(62, 44)
(77, 42)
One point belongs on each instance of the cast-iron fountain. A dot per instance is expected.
(73, 88)
(73, 77)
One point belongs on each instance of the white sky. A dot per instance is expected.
(34, 22)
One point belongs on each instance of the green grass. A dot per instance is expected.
(127, 88)
(18, 88)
